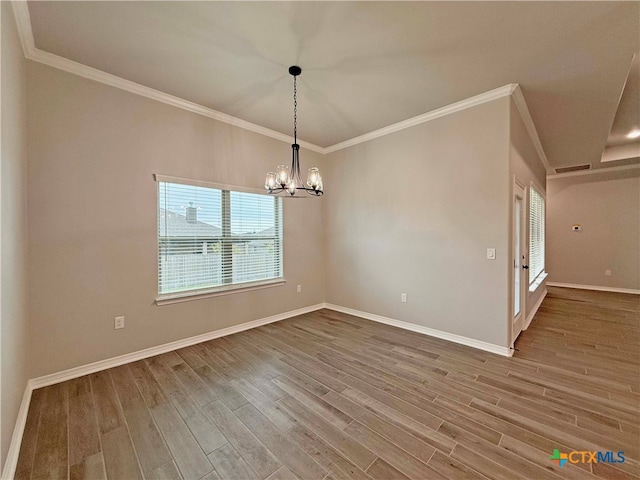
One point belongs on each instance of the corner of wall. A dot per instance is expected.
(13, 228)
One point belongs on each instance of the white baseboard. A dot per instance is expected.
(16, 440)
(11, 462)
(470, 342)
(167, 347)
(532, 313)
(594, 287)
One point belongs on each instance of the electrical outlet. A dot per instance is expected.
(299, 289)
(607, 273)
(118, 323)
(403, 297)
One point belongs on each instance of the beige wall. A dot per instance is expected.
(13, 227)
(414, 212)
(607, 205)
(92, 220)
(526, 167)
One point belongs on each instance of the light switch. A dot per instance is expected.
(491, 253)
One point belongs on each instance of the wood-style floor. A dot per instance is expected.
(331, 396)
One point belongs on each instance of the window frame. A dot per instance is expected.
(542, 274)
(227, 287)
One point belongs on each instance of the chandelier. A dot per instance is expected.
(289, 180)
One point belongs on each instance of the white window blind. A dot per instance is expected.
(536, 234)
(210, 238)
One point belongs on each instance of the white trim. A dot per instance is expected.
(485, 97)
(599, 288)
(23, 22)
(519, 191)
(533, 311)
(451, 337)
(11, 462)
(167, 347)
(591, 172)
(540, 191)
(46, 380)
(525, 115)
(190, 295)
(21, 11)
(533, 286)
(31, 52)
(129, 86)
(201, 183)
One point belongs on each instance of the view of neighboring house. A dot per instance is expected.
(193, 253)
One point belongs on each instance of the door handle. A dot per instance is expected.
(526, 267)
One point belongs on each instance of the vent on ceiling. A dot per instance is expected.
(574, 168)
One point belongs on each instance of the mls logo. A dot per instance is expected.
(580, 456)
(561, 458)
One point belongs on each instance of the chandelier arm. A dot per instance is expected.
(295, 164)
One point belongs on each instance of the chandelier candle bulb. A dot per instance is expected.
(270, 182)
(283, 175)
(291, 188)
(290, 181)
(313, 179)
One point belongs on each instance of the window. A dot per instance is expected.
(212, 239)
(536, 234)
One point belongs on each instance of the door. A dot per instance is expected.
(519, 255)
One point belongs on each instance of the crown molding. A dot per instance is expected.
(23, 20)
(594, 171)
(426, 117)
(21, 12)
(132, 87)
(521, 105)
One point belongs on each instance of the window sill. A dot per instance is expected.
(191, 295)
(537, 282)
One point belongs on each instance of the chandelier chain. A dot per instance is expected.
(295, 110)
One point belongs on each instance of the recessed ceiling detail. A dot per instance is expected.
(623, 143)
(627, 118)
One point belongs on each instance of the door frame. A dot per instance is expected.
(516, 322)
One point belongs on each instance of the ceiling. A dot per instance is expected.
(628, 114)
(367, 65)
(620, 149)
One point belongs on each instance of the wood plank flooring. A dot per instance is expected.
(331, 396)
